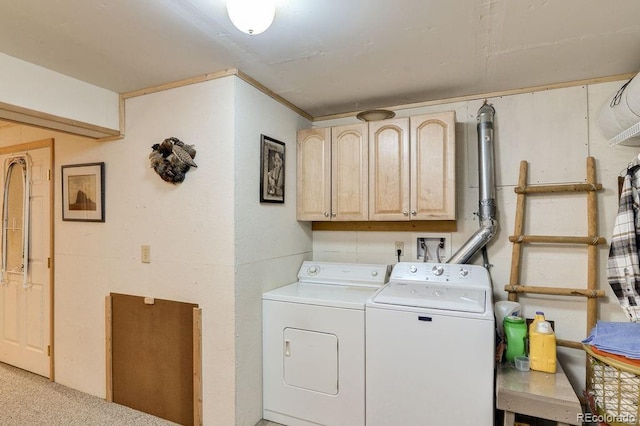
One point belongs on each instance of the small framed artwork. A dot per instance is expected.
(83, 192)
(272, 163)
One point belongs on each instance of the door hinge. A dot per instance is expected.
(49, 174)
(48, 350)
(49, 262)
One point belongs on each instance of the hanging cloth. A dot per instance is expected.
(623, 266)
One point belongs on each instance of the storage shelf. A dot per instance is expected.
(631, 136)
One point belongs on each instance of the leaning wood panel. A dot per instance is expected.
(152, 356)
(197, 366)
(108, 348)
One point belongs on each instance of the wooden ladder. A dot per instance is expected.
(592, 240)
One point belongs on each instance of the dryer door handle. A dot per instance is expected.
(287, 348)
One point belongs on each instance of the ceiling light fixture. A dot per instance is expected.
(375, 115)
(251, 16)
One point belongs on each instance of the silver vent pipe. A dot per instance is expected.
(486, 186)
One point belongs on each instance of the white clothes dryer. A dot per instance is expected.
(314, 344)
(430, 347)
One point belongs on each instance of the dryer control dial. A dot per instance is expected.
(437, 270)
(312, 270)
(464, 272)
(413, 269)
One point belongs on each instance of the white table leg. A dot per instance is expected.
(509, 418)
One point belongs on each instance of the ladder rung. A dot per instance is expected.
(547, 189)
(569, 344)
(555, 239)
(556, 291)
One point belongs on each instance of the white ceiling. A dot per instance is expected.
(332, 56)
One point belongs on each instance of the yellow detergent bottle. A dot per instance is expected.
(536, 319)
(542, 347)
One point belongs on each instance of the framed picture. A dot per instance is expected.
(272, 163)
(83, 192)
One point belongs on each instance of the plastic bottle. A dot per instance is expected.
(537, 318)
(515, 333)
(542, 347)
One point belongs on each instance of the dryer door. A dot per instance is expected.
(311, 360)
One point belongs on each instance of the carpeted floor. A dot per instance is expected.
(29, 399)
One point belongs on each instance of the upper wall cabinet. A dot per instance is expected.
(333, 173)
(391, 170)
(313, 187)
(412, 168)
(433, 171)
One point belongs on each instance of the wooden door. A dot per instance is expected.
(25, 318)
(389, 170)
(349, 173)
(314, 174)
(433, 183)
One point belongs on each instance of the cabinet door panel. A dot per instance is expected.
(433, 166)
(389, 170)
(349, 169)
(314, 174)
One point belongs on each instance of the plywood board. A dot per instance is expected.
(153, 356)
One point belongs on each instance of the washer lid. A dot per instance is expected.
(421, 295)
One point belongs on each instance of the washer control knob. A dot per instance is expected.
(464, 272)
(374, 273)
(437, 270)
(313, 270)
(413, 269)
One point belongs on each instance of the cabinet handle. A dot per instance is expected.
(326, 214)
(413, 212)
(404, 212)
(287, 348)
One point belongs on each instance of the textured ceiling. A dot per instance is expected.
(331, 56)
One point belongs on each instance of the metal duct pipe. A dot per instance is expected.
(486, 186)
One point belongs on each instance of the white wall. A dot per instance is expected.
(554, 132)
(207, 236)
(36, 88)
(270, 244)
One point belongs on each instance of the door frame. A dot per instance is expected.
(30, 146)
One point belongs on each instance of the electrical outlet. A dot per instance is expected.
(399, 246)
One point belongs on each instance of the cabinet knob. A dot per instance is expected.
(333, 215)
(413, 212)
(326, 214)
(404, 212)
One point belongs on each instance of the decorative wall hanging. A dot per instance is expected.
(172, 159)
(271, 170)
(83, 192)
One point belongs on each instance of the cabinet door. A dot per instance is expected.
(389, 170)
(433, 183)
(314, 174)
(349, 172)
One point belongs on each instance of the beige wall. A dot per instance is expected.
(207, 236)
(554, 131)
(214, 244)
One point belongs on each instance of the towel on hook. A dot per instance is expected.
(623, 266)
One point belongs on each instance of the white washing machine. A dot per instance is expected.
(430, 347)
(313, 344)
